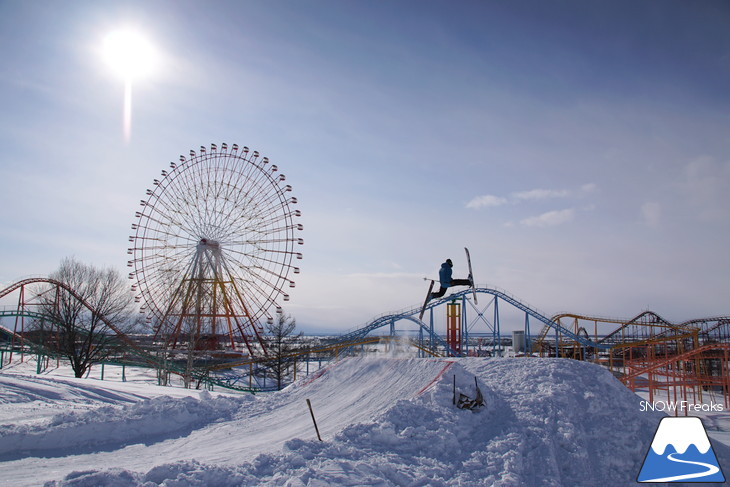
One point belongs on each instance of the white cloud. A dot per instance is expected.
(588, 188)
(486, 201)
(652, 213)
(541, 194)
(705, 180)
(550, 219)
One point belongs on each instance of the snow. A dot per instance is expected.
(384, 421)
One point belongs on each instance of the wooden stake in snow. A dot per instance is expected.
(309, 403)
(453, 398)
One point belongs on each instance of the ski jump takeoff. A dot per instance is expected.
(446, 282)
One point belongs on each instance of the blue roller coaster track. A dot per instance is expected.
(427, 329)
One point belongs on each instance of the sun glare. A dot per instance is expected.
(129, 54)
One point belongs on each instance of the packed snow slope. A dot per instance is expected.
(551, 422)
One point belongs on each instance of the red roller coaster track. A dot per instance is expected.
(58, 285)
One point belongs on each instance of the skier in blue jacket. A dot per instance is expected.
(446, 281)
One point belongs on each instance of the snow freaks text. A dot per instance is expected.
(679, 406)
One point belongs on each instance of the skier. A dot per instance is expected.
(446, 281)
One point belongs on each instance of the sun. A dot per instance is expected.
(133, 57)
(129, 53)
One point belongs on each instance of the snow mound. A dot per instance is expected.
(549, 422)
(109, 428)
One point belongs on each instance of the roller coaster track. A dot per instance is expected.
(68, 289)
(546, 329)
(690, 354)
(647, 319)
(412, 313)
(705, 324)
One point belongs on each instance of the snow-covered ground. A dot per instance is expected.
(384, 421)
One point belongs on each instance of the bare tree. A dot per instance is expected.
(82, 335)
(281, 344)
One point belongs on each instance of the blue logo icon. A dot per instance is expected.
(680, 452)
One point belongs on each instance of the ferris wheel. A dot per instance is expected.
(213, 248)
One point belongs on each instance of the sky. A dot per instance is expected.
(581, 150)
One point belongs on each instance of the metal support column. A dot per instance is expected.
(419, 353)
(496, 336)
(390, 345)
(453, 326)
(431, 332)
(464, 328)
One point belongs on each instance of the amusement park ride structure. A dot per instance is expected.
(687, 361)
(213, 248)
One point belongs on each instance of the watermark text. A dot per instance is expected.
(680, 407)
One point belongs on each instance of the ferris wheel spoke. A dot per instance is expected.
(280, 277)
(262, 241)
(251, 262)
(145, 237)
(254, 209)
(158, 234)
(236, 181)
(272, 202)
(252, 237)
(255, 175)
(262, 299)
(163, 264)
(275, 279)
(185, 195)
(260, 226)
(288, 228)
(263, 216)
(163, 219)
(248, 300)
(276, 218)
(169, 263)
(164, 194)
(260, 255)
(159, 282)
(147, 216)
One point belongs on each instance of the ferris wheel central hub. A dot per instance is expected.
(206, 242)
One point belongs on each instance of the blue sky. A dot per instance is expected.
(580, 149)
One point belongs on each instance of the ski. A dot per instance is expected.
(428, 298)
(471, 275)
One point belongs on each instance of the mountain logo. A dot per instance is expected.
(680, 452)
